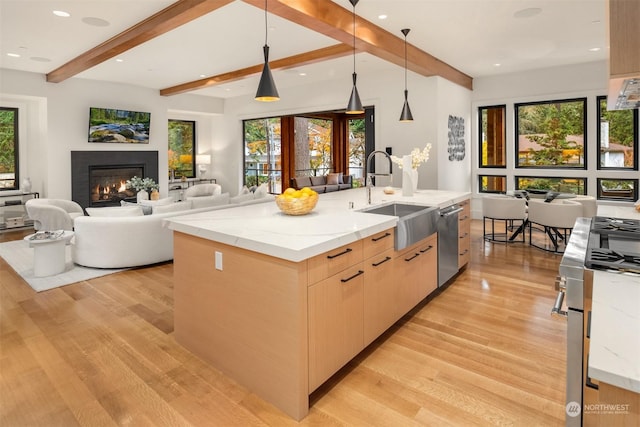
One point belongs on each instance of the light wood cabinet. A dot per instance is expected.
(332, 262)
(416, 272)
(380, 291)
(624, 53)
(336, 323)
(464, 234)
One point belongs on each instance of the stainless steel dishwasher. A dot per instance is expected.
(448, 243)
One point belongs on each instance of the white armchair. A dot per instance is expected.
(556, 219)
(589, 205)
(510, 210)
(53, 214)
(201, 190)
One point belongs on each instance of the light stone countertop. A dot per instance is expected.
(263, 228)
(614, 352)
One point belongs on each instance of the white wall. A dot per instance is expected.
(58, 118)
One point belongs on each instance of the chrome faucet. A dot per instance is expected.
(370, 176)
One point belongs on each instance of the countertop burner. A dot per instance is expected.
(616, 226)
(610, 259)
(614, 244)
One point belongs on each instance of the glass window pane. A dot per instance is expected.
(262, 153)
(493, 183)
(618, 189)
(561, 185)
(617, 137)
(493, 136)
(313, 139)
(551, 134)
(356, 151)
(8, 148)
(182, 142)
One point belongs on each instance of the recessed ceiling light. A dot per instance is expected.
(39, 59)
(61, 13)
(595, 21)
(382, 16)
(594, 49)
(202, 76)
(13, 55)
(119, 60)
(95, 22)
(302, 74)
(497, 64)
(528, 12)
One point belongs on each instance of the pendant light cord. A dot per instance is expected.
(405, 62)
(265, 23)
(354, 37)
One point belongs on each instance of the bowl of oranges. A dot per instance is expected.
(297, 202)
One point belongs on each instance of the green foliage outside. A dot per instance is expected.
(562, 185)
(548, 125)
(181, 148)
(8, 119)
(620, 124)
(357, 147)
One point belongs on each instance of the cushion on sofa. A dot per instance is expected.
(146, 209)
(208, 201)
(174, 207)
(261, 191)
(334, 178)
(116, 211)
(165, 201)
(318, 180)
(301, 182)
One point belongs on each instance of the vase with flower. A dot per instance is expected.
(143, 187)
(409, 165)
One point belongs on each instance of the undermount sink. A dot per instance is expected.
(414, 223)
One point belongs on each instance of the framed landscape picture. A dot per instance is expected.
(118, 126)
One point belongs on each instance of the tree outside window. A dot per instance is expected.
(617, 137)
(551, 134)
(356, 151)
(262, 153)
(8, 148)
(182, 144)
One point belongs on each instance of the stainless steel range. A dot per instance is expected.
(602, 243)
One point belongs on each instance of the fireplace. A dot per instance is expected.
(98, 177)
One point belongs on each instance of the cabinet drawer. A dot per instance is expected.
(378, 243)
(334, 261)
(336, 316)
(464, 251)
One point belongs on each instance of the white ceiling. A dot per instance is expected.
(470, 35)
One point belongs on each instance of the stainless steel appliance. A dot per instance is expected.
(448, 243)
(610, 244)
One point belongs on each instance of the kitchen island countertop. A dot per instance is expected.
(263, 228)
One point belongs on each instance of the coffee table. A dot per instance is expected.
(49, 252)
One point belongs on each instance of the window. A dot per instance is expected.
(562, 185)
(356, 151)
(262, 153)
(551, 134)
(9, 179)
(617, 137)
(492, 136)
(625, 190)
(182, 145)
(492, 183)
(313, 142)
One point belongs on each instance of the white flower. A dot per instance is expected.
(138, 184)
(417, 157)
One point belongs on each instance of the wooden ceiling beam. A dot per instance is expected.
(332, 20)
(324, 54)
(173, 16)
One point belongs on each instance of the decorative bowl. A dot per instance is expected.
(297, 206)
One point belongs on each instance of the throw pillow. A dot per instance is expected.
(334, 178)
(146, 209)
(115, 211)
(261, 191)
(301, 181)
(159, 202)
(241, 198)
(208, 201)
(245, 190)
(174, 207)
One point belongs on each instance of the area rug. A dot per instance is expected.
(19, 256)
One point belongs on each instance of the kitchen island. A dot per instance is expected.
(279, 303)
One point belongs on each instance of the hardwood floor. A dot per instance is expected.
(483, 352)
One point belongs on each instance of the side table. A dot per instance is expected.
(48, 252)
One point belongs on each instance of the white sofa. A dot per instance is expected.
(53, 214)
(134, 240)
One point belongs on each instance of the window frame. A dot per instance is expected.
(585, 162)
(194, 147)
(480, 177)
(599, 140)
(632, 198)
(504, 136)
(16, 149)
(585, 180)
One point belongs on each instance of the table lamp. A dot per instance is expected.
(202, 161)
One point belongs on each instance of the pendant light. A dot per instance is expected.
(355, 105)
(267, 91)
(406, 115)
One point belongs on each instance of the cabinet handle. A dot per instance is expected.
(375, 264)
(375, 239)
(352, 277)
(464, 252)
(426, 250)
(464, 235)
(414, 256)
(464, 217)
(346, 251)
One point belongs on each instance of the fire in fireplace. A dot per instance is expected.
(108, 183)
